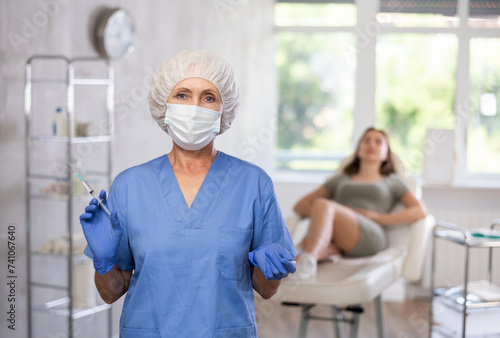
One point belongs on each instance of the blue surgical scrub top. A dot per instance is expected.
(191, 273)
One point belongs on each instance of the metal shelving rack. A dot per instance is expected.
(64, 306)
(460, 236)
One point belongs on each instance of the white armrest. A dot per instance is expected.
(420, 233)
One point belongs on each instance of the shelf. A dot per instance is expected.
(48, 177)
(49, 80)
(73, 140)
(443, 332)
(55, 197)
(65, 178)
(448, 321)
(60, 307)
(471, 304)
(476, 242)
(49, 286)
(76, 258)
(88, 82)
(93, 82)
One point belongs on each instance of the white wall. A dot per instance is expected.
(241, 31)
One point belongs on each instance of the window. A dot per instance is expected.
(415, 63)
(316, 86)
(414, 90)
(483, 133)
(316, 90)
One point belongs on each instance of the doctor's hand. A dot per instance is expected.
(103, 234)
(273, 260)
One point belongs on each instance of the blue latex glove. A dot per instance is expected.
(103, 234)
(273, 260)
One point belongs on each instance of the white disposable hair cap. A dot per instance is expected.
(194, 63)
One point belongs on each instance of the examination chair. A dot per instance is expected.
(346, 284)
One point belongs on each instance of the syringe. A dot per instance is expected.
(91, 191)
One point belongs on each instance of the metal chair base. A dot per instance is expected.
(339, 316)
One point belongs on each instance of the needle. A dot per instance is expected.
(91, 191)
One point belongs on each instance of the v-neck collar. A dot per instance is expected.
(190, 217)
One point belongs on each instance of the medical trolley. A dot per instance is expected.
(451, 314)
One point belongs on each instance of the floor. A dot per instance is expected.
(407, 319)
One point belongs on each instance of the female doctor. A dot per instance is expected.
(193, 231)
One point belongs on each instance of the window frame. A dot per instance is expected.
(367, 29)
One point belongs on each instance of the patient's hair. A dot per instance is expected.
(386, 168)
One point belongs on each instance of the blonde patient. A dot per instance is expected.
(349, 210)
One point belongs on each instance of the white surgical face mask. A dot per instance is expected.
(192, 127)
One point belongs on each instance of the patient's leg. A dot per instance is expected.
(330, 223)
(330, 251)
(325, 254)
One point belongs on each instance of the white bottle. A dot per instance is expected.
(60, 123)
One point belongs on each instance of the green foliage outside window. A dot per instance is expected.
(483, 135)
(415, 90)
(316, 94)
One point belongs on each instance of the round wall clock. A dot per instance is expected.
(115, 34)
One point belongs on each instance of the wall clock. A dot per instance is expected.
(115, 34)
